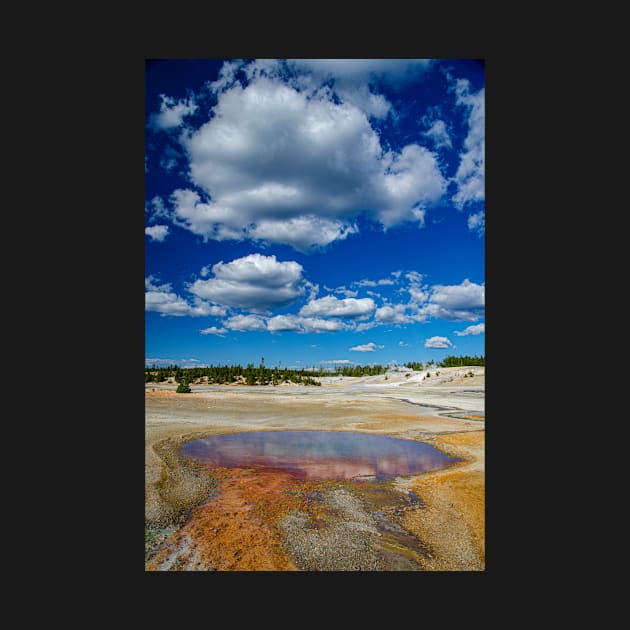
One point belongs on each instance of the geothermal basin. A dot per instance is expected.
(317, 455)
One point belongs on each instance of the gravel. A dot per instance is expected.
(349, 542)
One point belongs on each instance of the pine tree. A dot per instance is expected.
(183, 387)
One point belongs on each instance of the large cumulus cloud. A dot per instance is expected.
(283, 165)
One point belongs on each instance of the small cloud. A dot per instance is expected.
(439, 134)
(477, 222)
(414, 277)
(185, 363)
(172, 113)
(157, 232)
(156, 209)
(373, 283)
(345, 292)
(336, 362)
(213, 330)
(477, 329)
(366, 326)
(158, 362)
(437, 342)
(368, 347)
(402, 344)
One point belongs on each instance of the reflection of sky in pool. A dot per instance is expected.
(318, 454)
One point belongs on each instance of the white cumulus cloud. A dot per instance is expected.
(318, 325)
(304, 324)
(465, 301)
(282, 165)
(213, 330)
(257, 283)
(470, 175)
(157, 232)
(161, 299)
(368, 347)
(285, 322)
(303, 233)
(477, 329)
(392, 314)
(330, 306)
(437, 342)
(245, 323)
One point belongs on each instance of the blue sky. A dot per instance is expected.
(314, 212)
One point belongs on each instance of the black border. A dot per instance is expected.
(116, 167)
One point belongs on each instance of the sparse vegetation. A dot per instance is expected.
(150, 533)
(183, 387)
(415, 366)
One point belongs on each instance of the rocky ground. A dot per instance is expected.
(233, 519)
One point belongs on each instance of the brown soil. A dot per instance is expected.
(234, 531)
(453, 523)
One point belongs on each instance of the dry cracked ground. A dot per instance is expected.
(238, 519)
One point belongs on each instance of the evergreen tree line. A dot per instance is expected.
(450, 361)
(250, 375)
(463, 360)
(262, 375)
